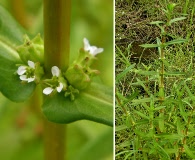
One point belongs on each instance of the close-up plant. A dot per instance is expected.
(59, 82)
(155, 81)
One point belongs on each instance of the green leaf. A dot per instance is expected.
(124, 59)
(183, 113)
(10, 84)
(161, 151)
(140, 133)
(174, 73)
(122, 74)
(132, 96)
(149, 45)
(92, 149)
(141, 122)
(141, 114)
(143, 85)
(121, 127)
(125, 143)
(147, 73)
(123, 152)
(130, 121)
(176, 19)
(95, 104)
(189, 152)
(121, 97)
(169, 136)
(191, 95)
(129, 154)
(158, 108)
(157, 22)
(143, 100)
(175, 41)
(11, 35)
(171, 7)
(171, 151)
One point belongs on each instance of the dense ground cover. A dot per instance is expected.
(155, 85)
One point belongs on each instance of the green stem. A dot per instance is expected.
(56, 47)
(57, 33)
(54, 135)
(185, 7)
(161, 87)
(120, 103)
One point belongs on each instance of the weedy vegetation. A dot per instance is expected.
(155, 86)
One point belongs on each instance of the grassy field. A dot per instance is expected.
(155, 86)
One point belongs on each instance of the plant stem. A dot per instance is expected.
(54, 135)
(161, 87)
(57, 33)
(120, 103)
(56, 47)
(185, 7)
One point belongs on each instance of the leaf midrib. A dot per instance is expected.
(97, 99)
(9, 48)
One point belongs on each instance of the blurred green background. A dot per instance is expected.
(21, 126)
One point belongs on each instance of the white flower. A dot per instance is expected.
(55, 72)
(26, 73)
(91, 49)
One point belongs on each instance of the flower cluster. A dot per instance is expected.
(76, 77)
(79, 74)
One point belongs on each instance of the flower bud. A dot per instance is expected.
(32, 49)
(77, 76)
